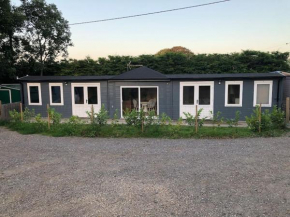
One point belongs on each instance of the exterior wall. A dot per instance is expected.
(286, 89)
(164, 88)
(66, 109)
(248, 99)
(169, 97)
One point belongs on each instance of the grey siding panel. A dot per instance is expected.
(248, 97)
(175, 99)
(286, 89)
(66, 109)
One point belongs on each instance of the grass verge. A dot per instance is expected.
(124, 131)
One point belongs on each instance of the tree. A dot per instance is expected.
(176, 49)
(47, 34)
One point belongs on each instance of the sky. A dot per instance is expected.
(221, 28)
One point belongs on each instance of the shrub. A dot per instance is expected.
(38, 119)
(235, 121)
(15, 116)
(54, 116)
(190, 119)
(102, 116)
(164, 119)
(131, 117)
(28, 115)
(115, 120)
(150, 118)
(253, 120)
(217, 119)
(278, 118)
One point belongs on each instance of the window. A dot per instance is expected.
(79, 95)
(263, 93)
(34, 94)
(56, 93)
(92, 95)
(234, 93)
(188, 95)
(204, 95)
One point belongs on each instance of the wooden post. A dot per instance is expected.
(196, 122)
(92, 114)
(48, 117)
(287, 109)
(21, 112)
(260, 114)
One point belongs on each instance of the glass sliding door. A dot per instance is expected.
(149, 99)
(130, 99)
(136, 98)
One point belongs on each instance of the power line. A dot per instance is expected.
(146, 14)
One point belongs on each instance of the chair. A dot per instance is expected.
(151, 104)
(135, 104)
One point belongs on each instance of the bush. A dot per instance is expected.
(217, 119)
(55, 117)
(190, 119)
(132, 117)
(115, 120)
(234, 122)
(28, 115)
(164, 119)
(100, 118)
(278, 118)
(15, 116)
(253, 121)
(150, 118)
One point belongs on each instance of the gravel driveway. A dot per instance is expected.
(46, 176)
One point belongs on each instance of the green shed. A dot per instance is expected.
(10, 93)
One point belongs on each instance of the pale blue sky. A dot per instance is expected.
(222, 28)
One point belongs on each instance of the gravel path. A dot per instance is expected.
(46, 176)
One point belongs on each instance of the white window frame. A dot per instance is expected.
(39, 93)
(270, 82)
(61, 93)
(139, 97)
(227, 83)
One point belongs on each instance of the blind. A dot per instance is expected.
(263, 93)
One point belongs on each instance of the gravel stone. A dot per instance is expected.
(68, 176)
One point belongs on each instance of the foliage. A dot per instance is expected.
(217, 119)
(115, 120)
(177, 49)
(55, 117)
(164, 119)
(253, 121)
(102, 116)
(15, 116)
(278, 118)
(38, 119)
(235, 121)
(46, 32)
(190, 119)
(28, 114)
(132, 117)
(150, 118)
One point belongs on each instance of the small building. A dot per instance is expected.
(150, 90)
(10, 93)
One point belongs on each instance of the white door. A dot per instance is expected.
(196, 93)
(84, 96)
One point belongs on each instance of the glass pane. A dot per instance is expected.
(79, 95)
(130, 99)
(92, 95)
(55, 94)
(234, 94)
(204, 95)
(188, 95)
(149, 99)
(263, 93)
(34, 94)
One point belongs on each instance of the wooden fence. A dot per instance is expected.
(5, 108)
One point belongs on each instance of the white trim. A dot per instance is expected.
(227, 83)
(61, 93)
(139, 96)
(39, 93)
(9, 91)
(270, 82)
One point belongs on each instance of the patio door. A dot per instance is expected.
(139, 97)
(196, 93)
(84, 96)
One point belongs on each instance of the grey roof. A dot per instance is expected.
(223, 76)
(142, 73)
(65, 78)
